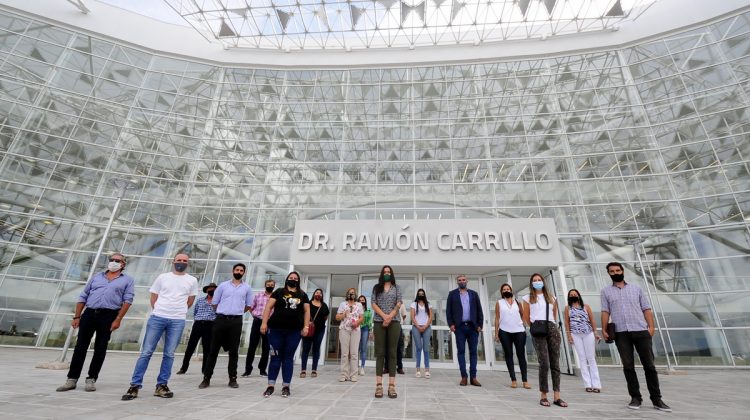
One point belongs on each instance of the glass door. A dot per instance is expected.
(312, 282)
(442, 348)
(493, 281)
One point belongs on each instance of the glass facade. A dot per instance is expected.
(646, 141)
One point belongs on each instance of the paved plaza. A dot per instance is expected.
(27, 392)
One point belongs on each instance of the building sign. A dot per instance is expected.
(480, 243)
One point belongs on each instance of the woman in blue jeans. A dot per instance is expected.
(365, 331)
(319, 314)
(291, 313)
(421, 319)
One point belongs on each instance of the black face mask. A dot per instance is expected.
(351, 296)
(269, 289)
(210, 293)
(292, 283)
(421, 297)
(617, 277)
(507, 294)
(572, 300)
(237, 276)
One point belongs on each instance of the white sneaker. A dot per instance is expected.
(90, 385)
(361, 371)
(418, 374)
(342, 378)
(427, 374)
(353, 378)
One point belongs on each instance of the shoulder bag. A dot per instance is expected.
(541, 328)
(311, 324)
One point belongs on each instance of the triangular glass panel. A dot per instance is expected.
(616, 10)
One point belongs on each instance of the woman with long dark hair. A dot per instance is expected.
(540, 306)
(421, 332)
(581, 326)
(351, 315)
(386, 301)
(291, 314)
(319, 312)
(364, 329)
(510, 331)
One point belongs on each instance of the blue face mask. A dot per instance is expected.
(180, 267)
(538, 285)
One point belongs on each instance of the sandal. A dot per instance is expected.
(314, 374)
(544, 402)
(379, 391)
(392, 391)
(302, 374)
(596, 390)
(589, 389)
(560, 403)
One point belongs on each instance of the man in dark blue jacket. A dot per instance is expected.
(465, 317)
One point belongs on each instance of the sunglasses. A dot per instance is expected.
(116, 260)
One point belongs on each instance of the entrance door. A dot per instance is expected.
(493, 281)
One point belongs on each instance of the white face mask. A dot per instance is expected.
(114, 266)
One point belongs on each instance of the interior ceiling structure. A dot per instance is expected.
(359, 24)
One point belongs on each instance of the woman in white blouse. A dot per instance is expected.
(350, 314)
(421, 318)
(510, 332)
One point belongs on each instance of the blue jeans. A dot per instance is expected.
(313, 343)
(421, 344)
(283, 344)
(467, 333)
(363, 345)
(157, 326)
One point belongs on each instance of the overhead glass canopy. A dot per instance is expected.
(359, 24)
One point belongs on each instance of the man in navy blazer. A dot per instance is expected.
(465, 317)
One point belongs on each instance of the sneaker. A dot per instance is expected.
(659, 405)
(354, 378)
(361, 371)
(427, 375)
(245, 375)
(233, 382)
(205, 383)
(635, 404)
(262, 373)
(181, 371)
(285, 392)
(342, 378)
(68, 385)
(162, 390)
(268, 392)
(302, 374)
(314, 374)
(131, 394)
(418, 374)
(90, 385)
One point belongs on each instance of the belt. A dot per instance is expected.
(104, 310)
(228, 316)
(203, 320)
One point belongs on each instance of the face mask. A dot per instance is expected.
(114, 266)
(617, 277)
(463, 285)
(420, 297)
(317, 297)
(180, 267)
(386, 277)
(363, 303)
(572, 300)
(269, 289)
(210, 293)
(237, 276)
(351, 296)
(538, 285)
(292, 283)
(507, 294)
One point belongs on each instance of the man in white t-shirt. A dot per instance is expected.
(172, 294)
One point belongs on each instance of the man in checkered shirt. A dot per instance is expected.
(628, 308)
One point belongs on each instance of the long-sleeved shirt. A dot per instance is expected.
(259, 304)
(203, 311)
(102, 293)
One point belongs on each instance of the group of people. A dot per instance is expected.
(282, 317)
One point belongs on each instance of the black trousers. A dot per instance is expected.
(93, 321)
(517, 340)
(226, 334)
(255, 338)
(626, 341)
(201, 332)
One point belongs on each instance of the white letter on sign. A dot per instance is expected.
(305, 241)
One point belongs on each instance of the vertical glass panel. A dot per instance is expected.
(699, 347)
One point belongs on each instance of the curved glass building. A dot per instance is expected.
(634, 141)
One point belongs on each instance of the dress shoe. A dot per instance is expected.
(205, 383)
(233, 382)
(475, 382)
(464, 381)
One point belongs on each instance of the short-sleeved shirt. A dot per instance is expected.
(173, 291)
(421, 314)
(203, 311)
(387, 301)
(231, 299)
(289, 309)
(352, 312)
(538, 312)
(625, 307)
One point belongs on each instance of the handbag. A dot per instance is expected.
(541, 328)
(311, 324)
(610, 333)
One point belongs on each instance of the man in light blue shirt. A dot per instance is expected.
(107, 298)
(231, 300)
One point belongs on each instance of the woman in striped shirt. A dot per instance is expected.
(581, 326)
